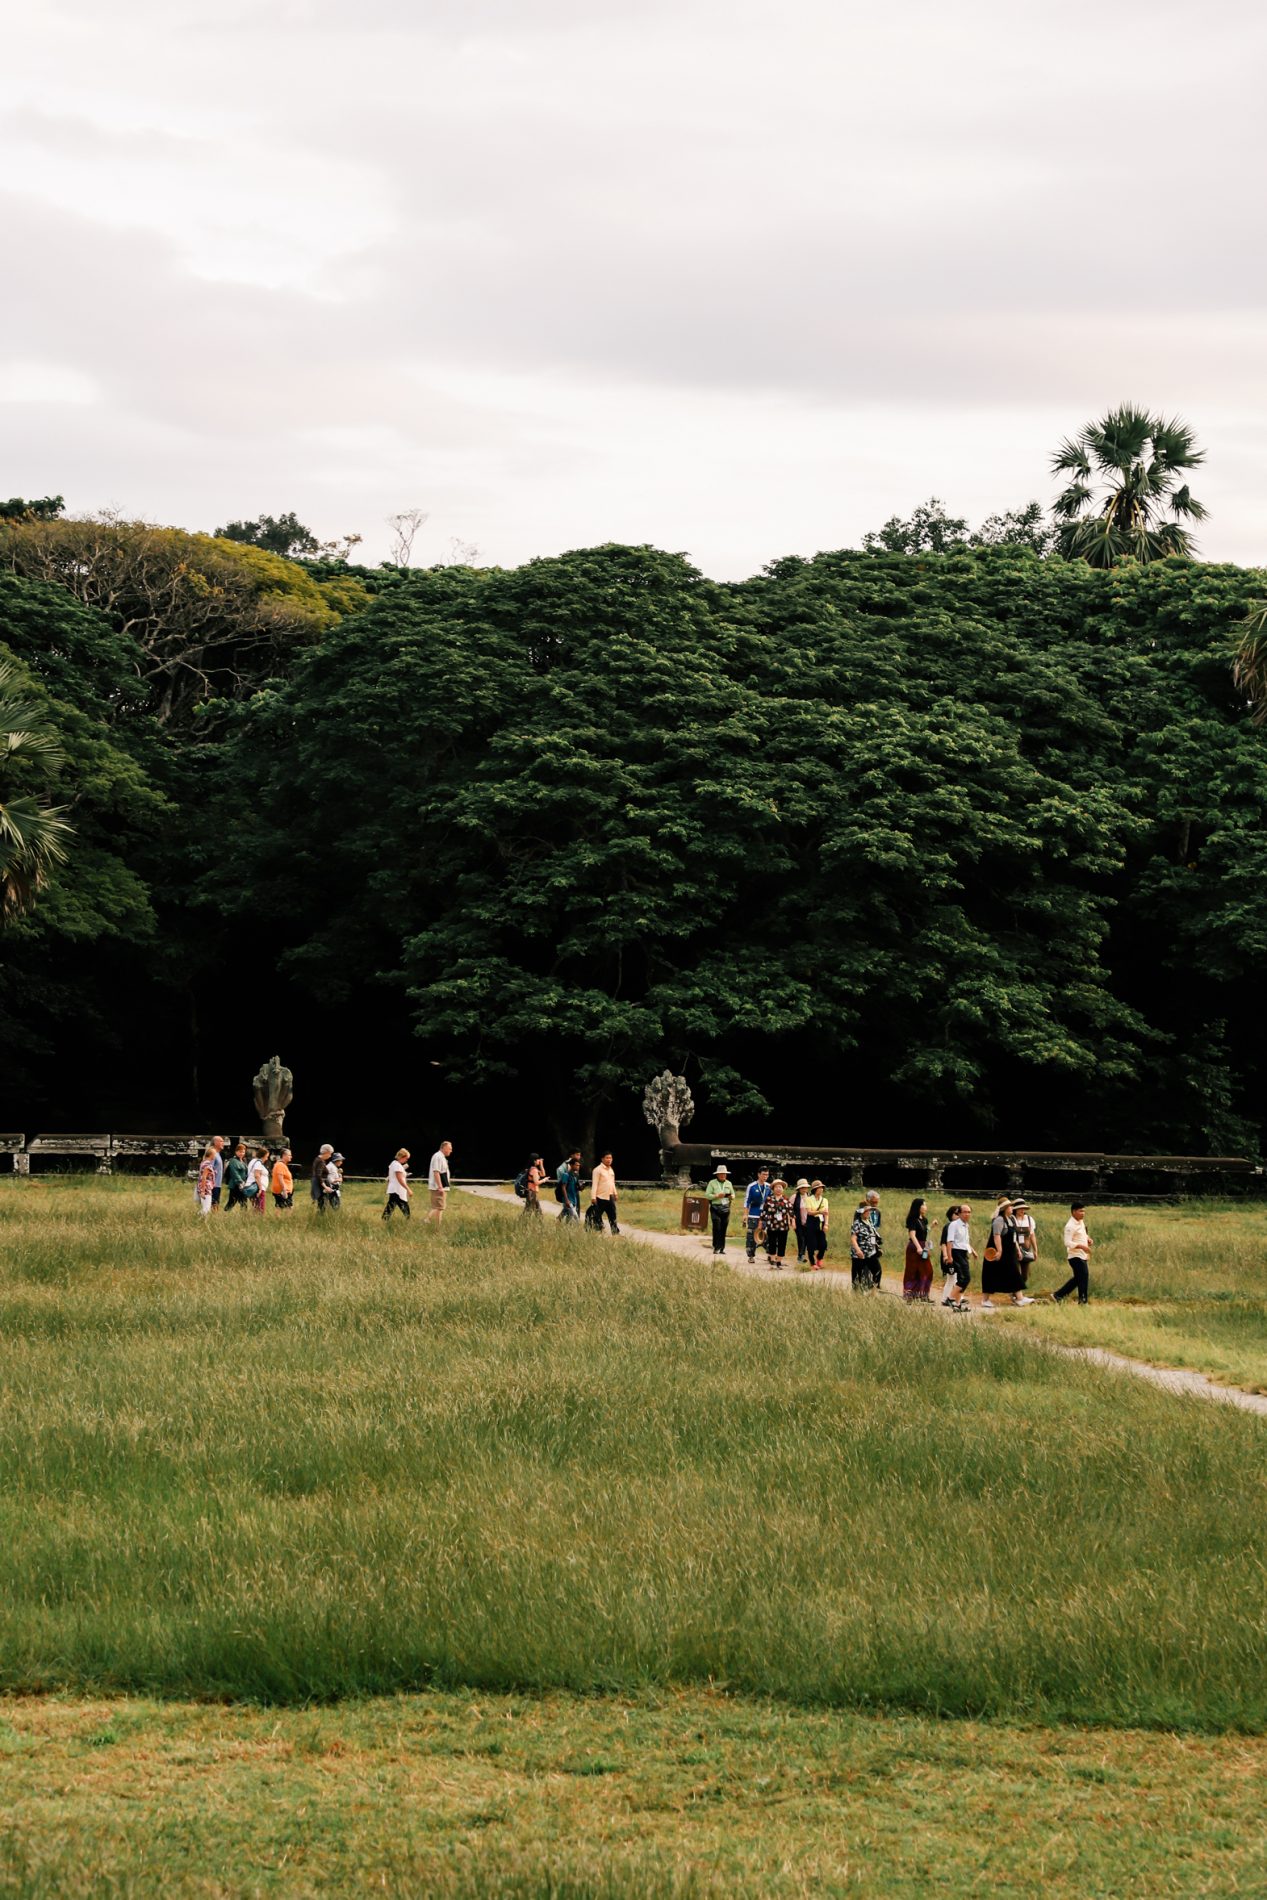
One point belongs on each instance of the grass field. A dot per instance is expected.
(590, 1798)
(595, 1499)
(1178, 1286)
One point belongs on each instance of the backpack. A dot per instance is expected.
(521, 1185)
(559, 1194)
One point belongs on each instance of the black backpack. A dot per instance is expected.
(521, 1185)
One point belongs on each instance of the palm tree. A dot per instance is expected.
(1250, 669)
(1140, 510)
(32, 835)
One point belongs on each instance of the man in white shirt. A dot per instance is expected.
(962, 1254)
(399, 1192)
(603, 1192)
(1078, 1245)
(438, 1181)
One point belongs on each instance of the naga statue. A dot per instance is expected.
(274, 1088)
(667, 1106)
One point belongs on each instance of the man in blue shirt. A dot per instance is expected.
(753, 1205)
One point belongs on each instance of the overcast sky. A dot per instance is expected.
(736, 277)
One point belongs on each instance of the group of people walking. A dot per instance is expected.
(251, 1173)
(568, 1182)
(772, 1214)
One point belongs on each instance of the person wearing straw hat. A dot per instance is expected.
(1001, 1261)
(817, 1211)
(1026, 1242)
(776, 1218)
(800, 1205)
(720, 1192)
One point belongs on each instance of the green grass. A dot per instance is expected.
(1177, 1286)
(687, 1794)
(293, 1460)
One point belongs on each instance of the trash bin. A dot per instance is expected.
(695, 1213)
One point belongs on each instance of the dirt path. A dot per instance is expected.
(692, 1247)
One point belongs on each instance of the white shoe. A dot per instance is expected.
(987, 1306)
(1024, 1300)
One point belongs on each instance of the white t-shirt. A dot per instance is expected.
(438, 1173)
(1027, 1231)
(959, 1237)
(333, 1177)
(398, 1180)
(257, 1176)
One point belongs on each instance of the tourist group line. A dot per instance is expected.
(772, 1214)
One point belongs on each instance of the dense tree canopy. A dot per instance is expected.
(878, 846)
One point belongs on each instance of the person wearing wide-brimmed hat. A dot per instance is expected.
(720, 1192)
(1001, 1261)
(800, 1205)
(1026, 1238)
(817, 1212)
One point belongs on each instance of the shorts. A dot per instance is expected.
(438, 1197)
(283, 1200)
(961, 1267)
(215, 1197)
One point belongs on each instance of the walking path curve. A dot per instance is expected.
(1169, 1378)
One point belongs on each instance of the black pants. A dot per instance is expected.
(961, 1268)
(775, 1242)
(396, 1204)
(862, 1270)
(720, 1218)
(608, 1208)
(800, 1240)
(815, 1240)
(283, 1200)
(1078, 1280)
(236, 1197)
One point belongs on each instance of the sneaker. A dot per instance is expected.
(1023, 1299)
(950, 1304)
(987, 1306)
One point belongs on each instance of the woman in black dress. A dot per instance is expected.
(1001, 1261)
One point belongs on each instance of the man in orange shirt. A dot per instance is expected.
(283, 1183)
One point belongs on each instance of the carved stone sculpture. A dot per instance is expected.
(273, 1094)
(667, 1106)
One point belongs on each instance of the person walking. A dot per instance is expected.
(235, 1171)
(776, 1218)
(962, 1254)
(753, 1207)
(569, 1205)
(204, 1186)
(283, 1181)
(1078, 1245)
(603, 1192)
(334, 1180)
(800, 1202)
(399, 1192)
(256, 1181)
(1026, 1239)
(572, 1189)
(438, 1180)
(875, 1217)
(817, 1214)
(720, 1193)
(1001, 1261)
(863, 1255)
(317, 1186)
(917, 1274)
(217, 1150)
(534, 1175)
